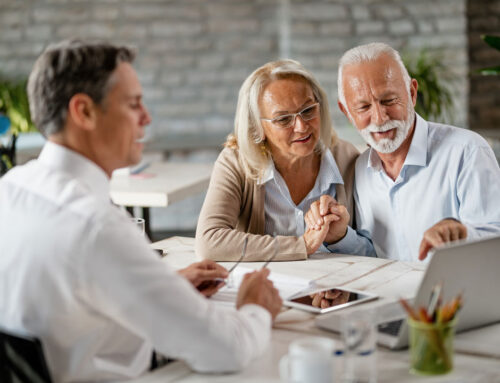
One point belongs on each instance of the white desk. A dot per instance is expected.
(389, 279)
(160, 184)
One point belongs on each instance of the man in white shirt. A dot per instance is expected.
(74, 271)
(420, 184)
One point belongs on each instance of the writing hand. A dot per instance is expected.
(256, 288)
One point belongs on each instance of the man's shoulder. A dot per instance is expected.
(455, 137)
(49, 187)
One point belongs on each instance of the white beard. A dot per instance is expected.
(386, 145)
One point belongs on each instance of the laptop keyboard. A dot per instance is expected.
(391, 328)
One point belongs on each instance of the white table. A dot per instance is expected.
(389, 279)
(159, 185)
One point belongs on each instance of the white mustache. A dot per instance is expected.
(389, 125)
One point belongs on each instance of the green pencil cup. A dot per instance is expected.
(431, 347)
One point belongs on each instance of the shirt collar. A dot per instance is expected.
(63, 159)
(328, 172)
(417, 154)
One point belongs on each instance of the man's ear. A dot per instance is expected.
(343, 109)
(82, 111)
(413, 91)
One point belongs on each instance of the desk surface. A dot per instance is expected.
(160, 184)
(389, 279)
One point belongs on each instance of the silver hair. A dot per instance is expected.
(65, 69)
(365, 53)
(248, 131)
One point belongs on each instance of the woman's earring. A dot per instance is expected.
(263, 149)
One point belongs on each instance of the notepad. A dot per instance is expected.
(286, 285)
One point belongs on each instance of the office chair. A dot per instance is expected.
(22, 360)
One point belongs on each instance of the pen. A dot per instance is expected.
(140, 168)
(237, 262)
(435, 296)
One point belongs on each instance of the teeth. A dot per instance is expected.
(146, 138)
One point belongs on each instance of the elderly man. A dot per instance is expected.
(74, 271)
(420, 184)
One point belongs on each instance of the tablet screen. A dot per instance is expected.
(326, 300)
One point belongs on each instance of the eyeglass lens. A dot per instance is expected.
(288, 120)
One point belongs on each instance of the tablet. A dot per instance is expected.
(329, 299)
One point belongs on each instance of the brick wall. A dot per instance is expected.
(323, 30)
(484, 110)
(194, 54)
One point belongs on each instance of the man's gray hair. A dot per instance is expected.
(248, 130)
(65, 69)
(365, 53)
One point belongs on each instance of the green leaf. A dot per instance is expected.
(434, 97)
(491, 71)
(14, 103)
(492, 41)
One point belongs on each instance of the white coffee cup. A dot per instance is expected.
(309, 360)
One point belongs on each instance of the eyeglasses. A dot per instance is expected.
(286, 121)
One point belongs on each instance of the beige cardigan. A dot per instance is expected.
(234, 209)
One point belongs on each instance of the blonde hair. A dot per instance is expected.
(248, 135)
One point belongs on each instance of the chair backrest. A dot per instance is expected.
(22, 359)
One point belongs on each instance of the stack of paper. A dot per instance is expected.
(287, 286)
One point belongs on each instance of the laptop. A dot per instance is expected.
(471, 268)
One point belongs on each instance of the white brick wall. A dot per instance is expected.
(194, 54)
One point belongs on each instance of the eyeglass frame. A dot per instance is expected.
(276, 125)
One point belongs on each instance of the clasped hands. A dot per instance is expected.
(327, 222)
(255, 288)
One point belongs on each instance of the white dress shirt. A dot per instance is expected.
(75, 272)
(448, 173)
(284, 217)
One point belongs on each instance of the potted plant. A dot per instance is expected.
(494, 42)
(434, 97)
(14, 119)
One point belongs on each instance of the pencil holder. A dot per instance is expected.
(431, 347)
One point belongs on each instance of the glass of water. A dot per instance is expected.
(360, 338)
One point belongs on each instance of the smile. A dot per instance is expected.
(381, 135)
(143, 139)
(303, 139)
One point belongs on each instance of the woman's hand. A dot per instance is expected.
(315, 237)
(327, 206)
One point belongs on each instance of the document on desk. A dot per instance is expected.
(483, 341)
(286, 285)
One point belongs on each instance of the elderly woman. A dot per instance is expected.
(283, 156)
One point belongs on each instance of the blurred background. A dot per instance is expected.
(193, 56)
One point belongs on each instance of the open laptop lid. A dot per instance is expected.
(468, 267)
(471, 268)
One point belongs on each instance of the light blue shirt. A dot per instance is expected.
(448, 173)
(284, 217)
